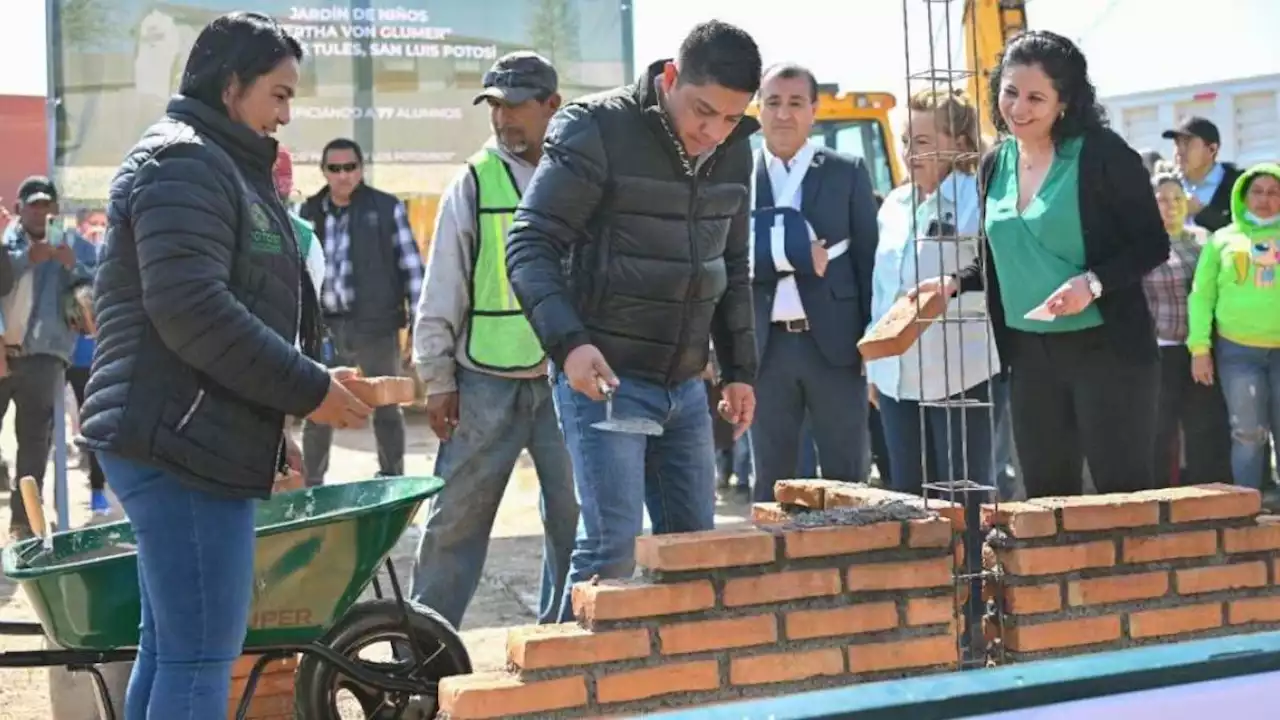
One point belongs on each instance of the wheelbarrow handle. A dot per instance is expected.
(31, 501)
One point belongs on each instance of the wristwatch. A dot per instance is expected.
(1095, 285)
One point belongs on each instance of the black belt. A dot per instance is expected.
(792, 326)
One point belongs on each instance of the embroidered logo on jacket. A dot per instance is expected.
(263, 236)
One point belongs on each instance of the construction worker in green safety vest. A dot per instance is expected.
(488, 397)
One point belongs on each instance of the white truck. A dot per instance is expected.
(1246, 111)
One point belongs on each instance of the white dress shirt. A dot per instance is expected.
(787, 180)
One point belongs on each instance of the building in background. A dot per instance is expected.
(1246, 111)
(23, 88)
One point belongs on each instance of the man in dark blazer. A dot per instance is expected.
(814, 241)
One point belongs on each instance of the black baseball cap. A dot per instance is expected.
(517, 77)
(1195, 126)
(37, 188)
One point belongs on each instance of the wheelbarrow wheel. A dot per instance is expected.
(319, 684)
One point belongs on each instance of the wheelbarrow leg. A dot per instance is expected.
(418, 659)
(251, 683)
(101, 694)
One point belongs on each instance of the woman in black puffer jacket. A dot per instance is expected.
(207, 334)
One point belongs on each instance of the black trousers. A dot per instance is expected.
(1072, 397)
(79, 377)
(1201, 413)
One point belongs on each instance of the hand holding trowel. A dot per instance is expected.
(634, 426)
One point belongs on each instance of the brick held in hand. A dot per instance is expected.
(380, 391)
(899, 329)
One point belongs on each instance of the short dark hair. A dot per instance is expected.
(341, 144)
(240, 46)
(1067, 68)
(718, 53)
(790, 71)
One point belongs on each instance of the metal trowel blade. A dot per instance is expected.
(634, 426)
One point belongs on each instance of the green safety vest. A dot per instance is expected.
(498, 337)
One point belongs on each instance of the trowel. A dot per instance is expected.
(633, 426)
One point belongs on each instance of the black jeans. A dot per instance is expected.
(1201, 413)
(79, 377)
(1072, 397)
(32, 381)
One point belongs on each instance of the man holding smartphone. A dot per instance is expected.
(40, 351)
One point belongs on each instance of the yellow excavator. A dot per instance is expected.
(988, 25)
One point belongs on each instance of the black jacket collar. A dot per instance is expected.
(244, 145)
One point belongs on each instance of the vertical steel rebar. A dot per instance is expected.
(962, 317)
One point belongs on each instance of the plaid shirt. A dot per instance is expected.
(1167, 287)
(339, 291)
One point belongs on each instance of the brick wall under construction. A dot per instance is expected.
(842, 583)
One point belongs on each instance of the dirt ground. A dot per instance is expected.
(506, 597)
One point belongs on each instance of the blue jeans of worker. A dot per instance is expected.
(497, 419)
(619, 475)
(1250, 378)
(195, 576)
(960, 439)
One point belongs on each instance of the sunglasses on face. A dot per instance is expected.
(343, 168)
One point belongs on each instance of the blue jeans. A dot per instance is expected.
(497, 419)
(736, 461)
(962, 449)
(1250, 378)
(1006, 472)
(619, 475)
(195, 575)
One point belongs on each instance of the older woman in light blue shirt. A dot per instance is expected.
(952, 361)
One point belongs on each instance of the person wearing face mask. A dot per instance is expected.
(629, 256)
(1234, 326)
(1195, 409)
(208, 338)
(955, 361)
(1072, 229)
(488, 398)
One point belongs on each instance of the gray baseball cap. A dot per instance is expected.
(517, 77)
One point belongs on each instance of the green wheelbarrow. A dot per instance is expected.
(318, 550)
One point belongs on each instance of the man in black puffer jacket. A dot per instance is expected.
(629, 255)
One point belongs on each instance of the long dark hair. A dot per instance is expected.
(241, 46)
(1067, 68)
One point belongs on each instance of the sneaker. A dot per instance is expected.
(98, 502)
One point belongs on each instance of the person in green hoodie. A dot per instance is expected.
(1233, 319)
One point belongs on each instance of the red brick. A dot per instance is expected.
(857, 495)
(1032, 599)
(1118, 588)
(931, 611)
(805, 493)
(537, 647)
(702, 635)
(930, 533)
(781, 587)
(667, 679)
(1221, 577)
(1265, 535)
(786, 667)
(1063, 634)
(244, 664)
(900, 575)
(849, 620)
(1084, 513)
(1058, 559)
(263, 707)
(1252, 610)
(1217, 501)
(1154, 548)
(916, 653)
(1175, 621)
(705, 550)
(841, 539)
(769, 514)
(1022, 520)
(627, 599)
(276, 683)
(500, 694)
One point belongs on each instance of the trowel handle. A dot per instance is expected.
(605, 388)
(31, 501)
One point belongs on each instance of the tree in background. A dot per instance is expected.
(553, 32)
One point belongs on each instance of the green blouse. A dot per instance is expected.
(1039, 249)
